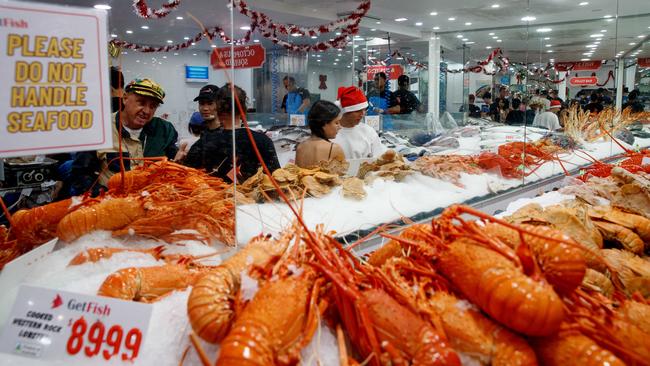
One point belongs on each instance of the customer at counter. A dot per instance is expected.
(358, 140)
(515, 116)
(473, 109)
(403, 100)
(143, 135)
(203, 120)
(324, 122)
(214, 149)
(297, 100)
(549, 119)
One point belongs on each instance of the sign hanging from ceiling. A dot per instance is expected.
(644, 61)
(394, 71)
(245, 57)
(583, 81)
(578, 66)
(55, 91)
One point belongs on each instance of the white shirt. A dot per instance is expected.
(547, 120)
(359, 142)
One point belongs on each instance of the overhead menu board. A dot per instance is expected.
(55, 95)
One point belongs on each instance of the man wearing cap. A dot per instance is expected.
(205, 119)
(358, 140)
(549, 119)
(403, 101)
(143, 135)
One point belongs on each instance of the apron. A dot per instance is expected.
(294, 101)
(381, 103)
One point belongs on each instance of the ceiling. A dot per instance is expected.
(571, 26)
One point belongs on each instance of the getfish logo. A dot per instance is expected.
(14, 23)
(89, 307)
(58, 301)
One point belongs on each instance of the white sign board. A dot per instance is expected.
(55, 91)
(297, 120)
(48, 324)
(374, 122)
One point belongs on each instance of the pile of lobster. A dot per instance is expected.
(454, 291)
(517, 159)
(160, 199)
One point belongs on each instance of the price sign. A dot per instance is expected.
(374, 122)
(297, 120)
(57, 325)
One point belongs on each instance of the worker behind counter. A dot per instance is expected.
(403, 101)
(202, 122)
(297, 100)
(143, 135)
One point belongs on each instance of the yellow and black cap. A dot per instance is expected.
(146, 87)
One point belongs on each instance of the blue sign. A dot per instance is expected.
(196, 73)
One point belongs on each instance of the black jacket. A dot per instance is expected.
(213, 152)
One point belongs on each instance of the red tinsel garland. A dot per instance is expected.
(210, 33)
(144, 11)
(348, 25)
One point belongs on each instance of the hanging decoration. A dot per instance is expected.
(610, 76)
(348, 25)
(386, 61)
(209, 33)
(322, 79)
(144, 11)
(495, 63)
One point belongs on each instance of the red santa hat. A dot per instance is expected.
(351, 99)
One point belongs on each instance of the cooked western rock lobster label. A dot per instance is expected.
(54, 325)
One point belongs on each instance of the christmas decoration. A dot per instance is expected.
(322, 78)
(144, 11)
(385, 61)
(348, 25)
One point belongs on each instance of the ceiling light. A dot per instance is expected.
(213, 46)
(609, 20)
(528, 18)
(335, 64)
(256, 41)
(179, 18)
(544, 30)
(373, 29)
(186, 38)
(340, 54)
(170, 41)
(599, 39)
(464, 39)
(295, 34)
(498, 40)
(313, 37)
(459, 36)
(494, 6)
(434, 13)
(468, 23)
(603, 31)
(547, 38)
(417, 24)
(377, 22)
(597, 35)
(175, 53)
(470, 42)
(318, 60)
(495, 37)
(400, 19)
(585, 59)
(102, 7)
(129, 32)
(631, 43)
(337, 60)
(194, 54)
(640, 36)
(145, 27)
(549, 45)
(245, 27)
(436, 28)
(584, 3)
(193, 44)
(491, 34)
(113, 35)
(400, 58)
(488, 47)
(607, 16)
(592, 46)
(551, 59)
(451, 19)
(549, 51)
(587, 53)
(597, 42)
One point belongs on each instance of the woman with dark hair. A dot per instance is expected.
(324, 122)
(214, 149)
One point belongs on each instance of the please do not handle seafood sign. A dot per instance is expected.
(48, 324)
(55, 94)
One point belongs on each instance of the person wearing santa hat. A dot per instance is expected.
(357, 139)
